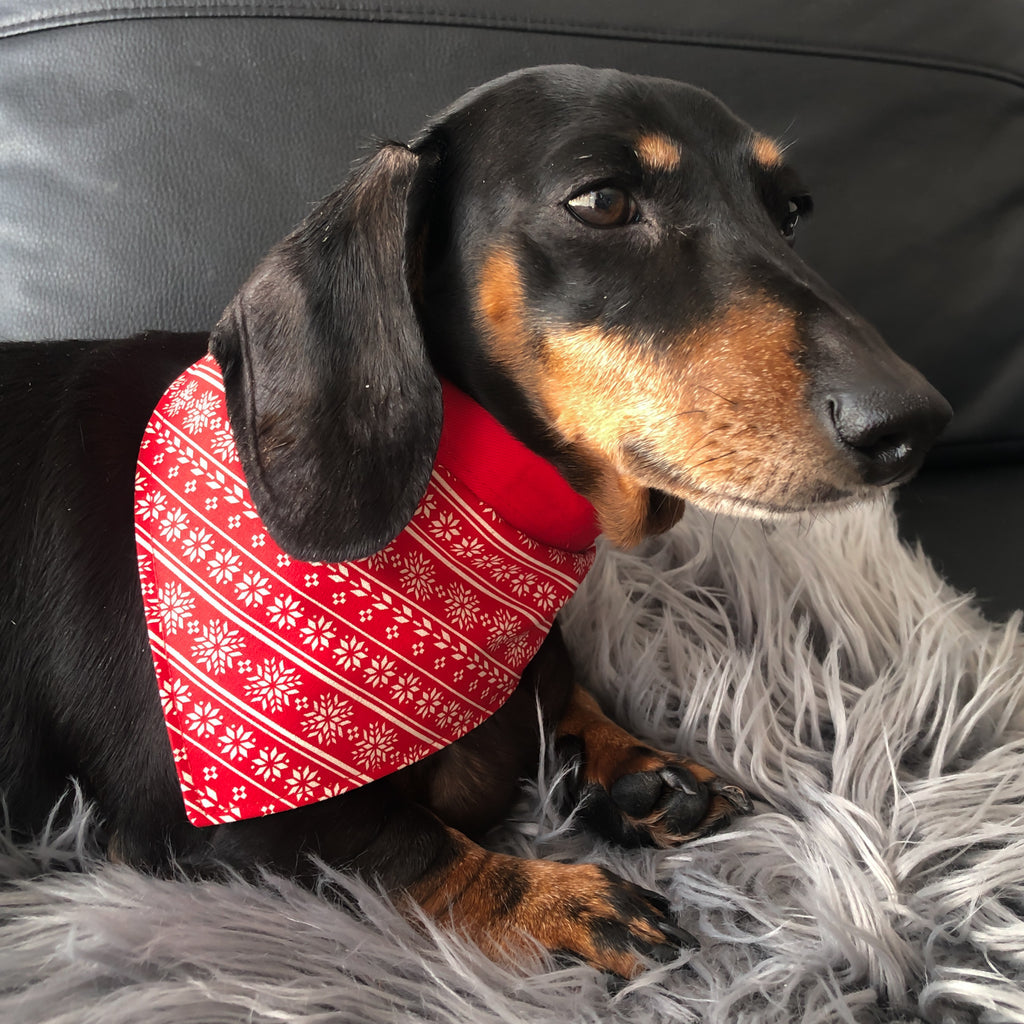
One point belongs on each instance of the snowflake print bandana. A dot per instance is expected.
(286, 682)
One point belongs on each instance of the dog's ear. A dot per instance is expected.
(334, 404)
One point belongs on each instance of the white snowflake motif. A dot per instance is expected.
(488, 561)
(582, 562)
(429, 701)
(173, 524)
(284, 611)
(545, 595)
(303, 783)
(174, 694)
(272, 685)
(218, 647)
(334, 789)
(463, 719)
(350, 653)
(318, 633)
(377, 744)
(252, 589)
(381, 671)
(204, 719)
(203, 410)
(380, 559)
(504, 626)
(174, 605)
(328, 718)
(469, 548)
(404, 688)
(445, 527)
(518, 648)
(446, 715)
(270, 764)
(418, 578)
(521, 583)
(223, 566)
(428, 503)
(463, 606)
(180, 397)
(222, 444)
(503, 571)
(198, 544)
(151, 506)
(236, 742)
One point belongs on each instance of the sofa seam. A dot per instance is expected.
(382, 13)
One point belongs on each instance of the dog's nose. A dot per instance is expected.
(887, 430)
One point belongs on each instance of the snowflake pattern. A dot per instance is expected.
(218, 647)
(418, 576)
(284, 611)
(327, 719)
(174, 695)
(377, 744)
(270, 764)
(236, 742)
(272, 685)
(174, 605)
(197, 545)
(293, 681)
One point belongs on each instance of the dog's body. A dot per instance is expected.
(602, 263)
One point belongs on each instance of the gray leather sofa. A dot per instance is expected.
(151, 150)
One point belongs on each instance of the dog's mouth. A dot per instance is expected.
(828, 498)
(782, 492)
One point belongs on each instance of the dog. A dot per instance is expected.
(600, 267)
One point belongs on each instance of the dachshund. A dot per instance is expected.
(601, 265)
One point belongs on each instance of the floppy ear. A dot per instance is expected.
(333, 402)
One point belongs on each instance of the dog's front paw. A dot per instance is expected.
(637, 796)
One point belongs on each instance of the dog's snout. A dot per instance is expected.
(886, 429)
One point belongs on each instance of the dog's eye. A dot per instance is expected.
(797, 207)
(604, 207)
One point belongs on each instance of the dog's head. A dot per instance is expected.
(605, 263)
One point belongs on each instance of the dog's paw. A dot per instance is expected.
(634, 795)
(590, 913)
(509, 906)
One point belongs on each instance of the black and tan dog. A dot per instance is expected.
(604, 263)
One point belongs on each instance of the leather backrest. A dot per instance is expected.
(151, 150)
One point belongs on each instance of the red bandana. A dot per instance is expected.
(287, 682)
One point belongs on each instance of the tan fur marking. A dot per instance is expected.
(500, 304)
(657, 152)
(718, 416)
(767, 152)
(720, 413)
(557, 903)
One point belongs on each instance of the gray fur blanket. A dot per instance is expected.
(875, 717)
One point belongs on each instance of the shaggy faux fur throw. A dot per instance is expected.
(875, 717)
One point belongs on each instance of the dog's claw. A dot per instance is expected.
(682, 938)
(739, 800)
(679, 780)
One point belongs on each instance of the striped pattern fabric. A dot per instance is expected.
(286, 682)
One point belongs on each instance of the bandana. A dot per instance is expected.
(286, 682)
